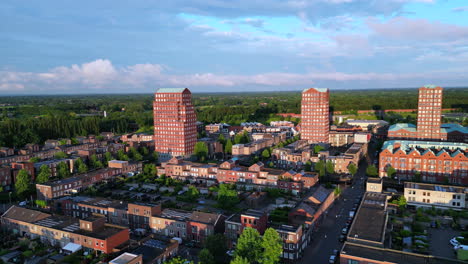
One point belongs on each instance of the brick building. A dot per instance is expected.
(175, 130)
(235, 224)
(435, 161)
(315, 115)
(5, 177)
(91, 233)
(139, 214)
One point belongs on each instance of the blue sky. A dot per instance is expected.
(104, 46)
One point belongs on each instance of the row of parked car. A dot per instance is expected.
(456, 243)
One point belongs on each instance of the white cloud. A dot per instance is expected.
(100, 75)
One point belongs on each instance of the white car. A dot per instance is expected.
(230, 253)
(454, 241)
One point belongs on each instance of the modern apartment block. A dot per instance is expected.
(175, 129)
(315, 115)
(435, 161)
(439, 196)
(429, 112)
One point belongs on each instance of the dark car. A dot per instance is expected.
(342, 238)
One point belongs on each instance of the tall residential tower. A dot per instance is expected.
(315, 115)
(175, 130)
(429, 112)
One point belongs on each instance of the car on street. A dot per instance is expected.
(342, 238)
(344, 231)
(332, 259)
(454, 241)
(349, 220)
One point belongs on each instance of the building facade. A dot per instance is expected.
(429, 112)
(315, 116)
(175, 129)
(439, 196)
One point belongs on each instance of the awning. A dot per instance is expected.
(72, 247)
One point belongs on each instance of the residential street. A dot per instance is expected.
(326, 239)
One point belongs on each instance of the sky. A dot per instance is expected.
(138, 46)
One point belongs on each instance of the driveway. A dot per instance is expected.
(439, 242)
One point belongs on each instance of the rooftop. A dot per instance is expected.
(435, 187)
(390, 255)
(370, 220)
(124, 258)
(321, 90)
(170, 90)
(422, 147)
(253, 213)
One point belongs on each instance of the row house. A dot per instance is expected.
(448, 132)
(52, 164)
(137, 137)
(140, 214)
(126, 166)
(192, 226)
(217, 128)
(5, 152)
(235, 224)
(289, 158)
(29, 149)
(82, 207)
(436, 162)
(5, 177)
(55, 189)
(253, 147)
(292, 237)
(27, 166)
(91, 233)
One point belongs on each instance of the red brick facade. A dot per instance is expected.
(175, 130)
(315, 120)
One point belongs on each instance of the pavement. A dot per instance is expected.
(439, 242)
(326, 239)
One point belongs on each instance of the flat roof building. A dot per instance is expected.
(439, 196)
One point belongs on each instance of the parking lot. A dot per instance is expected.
(439, 242)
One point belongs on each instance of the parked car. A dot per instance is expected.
(230, 253)
(342, 238)
(344, 231)
(463, 247)
(454, 241)
(332, 259)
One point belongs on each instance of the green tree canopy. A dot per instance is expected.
(60, 155)
(62, 170)
(178, 260)
(228, 147)
(308, 166)
(227, 196)
(34, 159)
(272, 247)
(108, 157)
(44, 174)
(318, 148)
(23, 183)
(249, 245)
(222, 139)
(330, 167)
(201, 151)
(240, 260)
(265, 154)
(372, 171)
(121, 155)
(205, 257)
(217, 245)
(352, 168)
(390, 171)
(150, 170)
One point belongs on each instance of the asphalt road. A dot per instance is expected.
(326, 238)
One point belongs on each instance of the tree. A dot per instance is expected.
(352, 169)
(205, 257)
(308, 166)
(121, 155)
(144, 151)
(217, 245)
(337, 190)
(74, 141)
(41, 203)
(320, 168)
(34, 159)
(108, 157)
(150, 170)
(227, 197)
(372, 171)
(62, 170)
(222, 139)
(44, 174)
(201, 151)
(318, 148)
(81, 166)
(228, 147)
(94, 162)
(390, 171)
(417, 176)
(23, 183)
(60, 155)
(272, 247)
(401, 202)
(265, 154)
(155, 156)
(330, 167)
(239, 260)
(249, 245)
(178, 260)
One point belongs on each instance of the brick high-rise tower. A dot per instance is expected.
(175, 130)
(315, 115)
(429, 112)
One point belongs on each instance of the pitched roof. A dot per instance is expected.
(204, 217)
(320, 194)
(24, 214)
(321, 90)
(404, 126)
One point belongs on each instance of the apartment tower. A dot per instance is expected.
(315, 115)
(175, 130)
(429, 113)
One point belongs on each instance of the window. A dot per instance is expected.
(351, 261)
